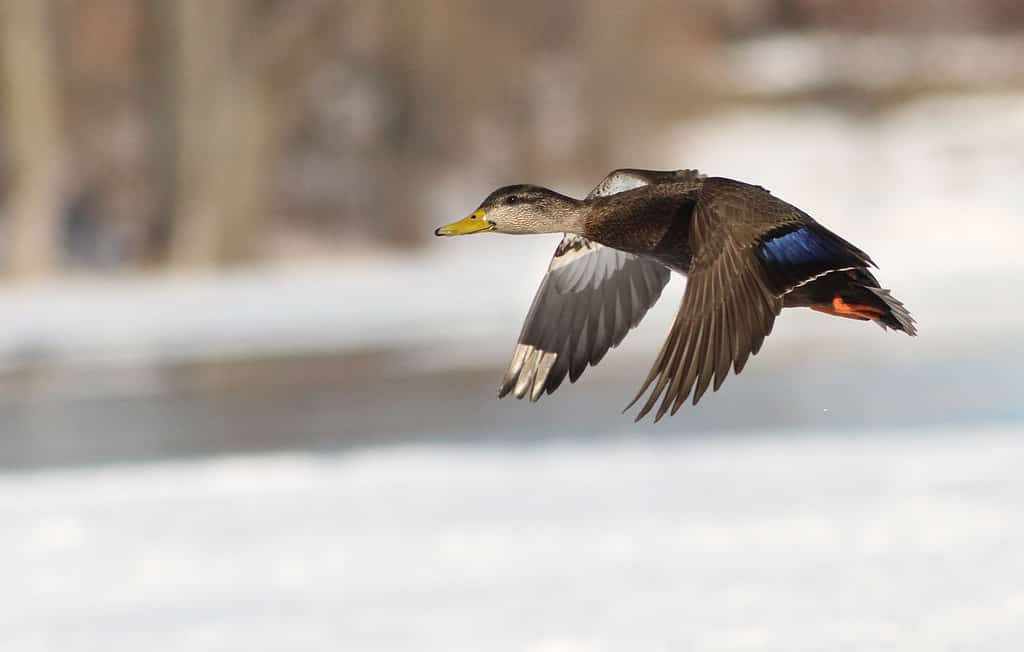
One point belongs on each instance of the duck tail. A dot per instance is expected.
(897, 316)
(855, 294)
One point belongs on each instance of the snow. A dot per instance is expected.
(874, 541)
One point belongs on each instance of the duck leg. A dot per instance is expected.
(840, 308)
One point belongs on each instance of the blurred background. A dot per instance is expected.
(247, 401)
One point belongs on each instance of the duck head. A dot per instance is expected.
(520, 209)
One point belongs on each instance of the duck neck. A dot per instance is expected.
(570, 216)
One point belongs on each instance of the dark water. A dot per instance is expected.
(91, 416)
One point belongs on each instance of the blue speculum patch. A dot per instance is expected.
(799, 247)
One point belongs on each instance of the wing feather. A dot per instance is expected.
(726, 313)
(586, 304)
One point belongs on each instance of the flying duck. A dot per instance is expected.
(746, 254)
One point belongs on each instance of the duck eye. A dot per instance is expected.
(511, 200)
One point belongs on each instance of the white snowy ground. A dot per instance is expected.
(776, 541)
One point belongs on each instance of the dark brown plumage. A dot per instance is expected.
(746, 253)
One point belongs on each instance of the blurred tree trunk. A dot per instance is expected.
(34, 128)
(198, 44)
(234, 63)
(397, 163)
(224, 127)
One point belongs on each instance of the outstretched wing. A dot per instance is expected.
(590, 298)
(727, 311)
(750, 250)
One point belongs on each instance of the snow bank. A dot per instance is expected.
(881, 541)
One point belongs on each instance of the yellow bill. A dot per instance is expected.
(472, 223)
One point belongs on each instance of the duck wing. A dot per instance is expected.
(589, 299)
(728, 309)
(750, 249)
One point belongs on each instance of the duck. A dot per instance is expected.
(746, 255)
